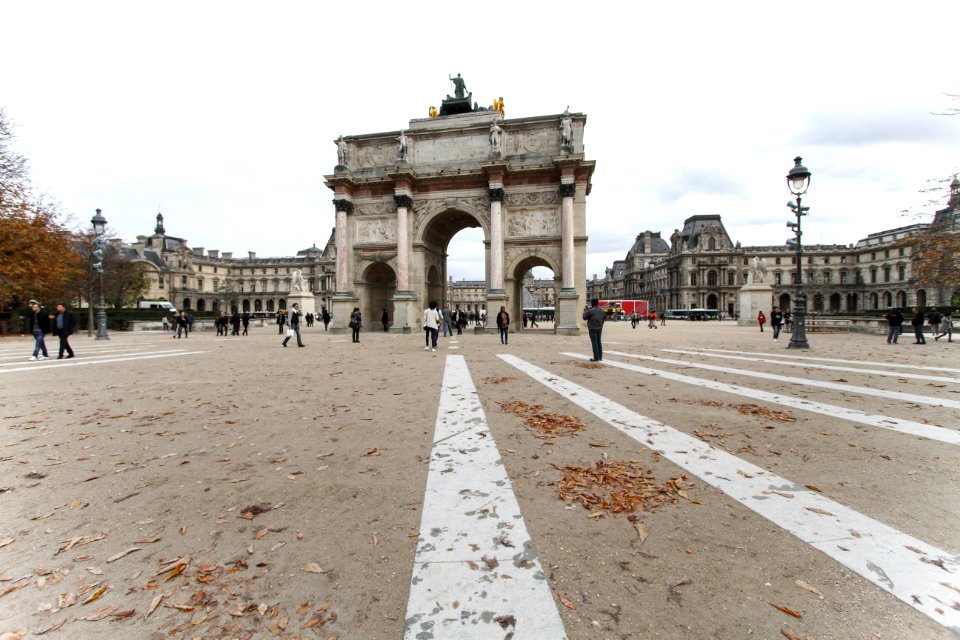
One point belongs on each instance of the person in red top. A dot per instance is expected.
(761, 319)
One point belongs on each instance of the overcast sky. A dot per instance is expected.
(222, 115)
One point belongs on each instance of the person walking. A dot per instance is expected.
(761, 319)
(503, 325)
(946, 327)
(533, 321)
(281, 320)
(246, 322)
(356, 321)
(385, 320)
(447, 321)
(917, 323)
(39, 326)
(894, 324)
(235, 323)
(595, 317)
(431, 320)
(934, 319)
(294, 322)
(64, 324)
(776, 322)
(459, 319)
(183, 325)
(652, 320)
(633, 320)
(325, 316)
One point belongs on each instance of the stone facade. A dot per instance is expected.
(703, 268)
(199, 280)
(399, 203)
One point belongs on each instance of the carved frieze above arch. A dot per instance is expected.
(526, 223)
(426, 210)
(532, 198)
(374, 208)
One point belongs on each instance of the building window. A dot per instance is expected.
(843, 277)
(873, 255)
(253, 286)
(827, 276)
(901, 272)
(777, 260)
(263, 271)
(214, 268)
(183, 282)
(778, 277)
(793, 259)
(199, 284)
(843, 259)
(693, 279)
(240, 286)
(886, 274)
(886, 253)
(873, 275)
(712, 244)
(160, 281)
(731, 278)
(901, 252)
(712, 277)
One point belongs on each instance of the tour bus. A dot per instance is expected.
(544, 314)
(692, 314)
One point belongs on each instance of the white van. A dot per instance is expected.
(157, 304)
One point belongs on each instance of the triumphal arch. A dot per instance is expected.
(401, 196)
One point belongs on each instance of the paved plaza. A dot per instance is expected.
(227, 487)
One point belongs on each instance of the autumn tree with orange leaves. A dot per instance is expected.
(37, 258)
(936, 251)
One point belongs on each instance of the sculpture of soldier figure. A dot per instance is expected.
(341, 152)
(495, 133)
(297, 283)
(759, 270)
(459, 86)
(401, 146)
(566, 129)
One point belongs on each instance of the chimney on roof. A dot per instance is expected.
(214, 253)
(252, 255)
(228, 255)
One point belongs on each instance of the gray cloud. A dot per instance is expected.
(878, 127)
(698, 181)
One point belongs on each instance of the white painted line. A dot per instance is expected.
(84, 356)
(76, 362)
(835, 386)
(872, 372)
(475, 561)
(886, 364)
(924, 430)
(872, 549)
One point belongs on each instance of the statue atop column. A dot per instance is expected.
(459, 86)
(566, 131)
(460, 102)
(496, 133)
(341, 152)
(758, 272)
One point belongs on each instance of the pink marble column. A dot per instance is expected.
(567, 190)
(496, 236)
(343, 246)
(404, 202)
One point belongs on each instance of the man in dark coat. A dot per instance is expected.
(63, 325)
(595, 318)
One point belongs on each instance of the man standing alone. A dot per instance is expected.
(294, 322)
(776, 322)
(64, 324)
(594, 318)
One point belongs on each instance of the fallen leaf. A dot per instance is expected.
(262, 532)
(148, 540)
(820, 511)
(96, 595)
(372, 452)
(101, 613)
(6, 541)
(813, 488)
(566, 602)
(153, 604)
(809, 587)
(313, 567)
(117, 556)
(786, 610)
(642, 530)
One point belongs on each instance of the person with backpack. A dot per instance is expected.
(432, 319)
(356, 321)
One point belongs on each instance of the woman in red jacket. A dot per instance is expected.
(761, 319)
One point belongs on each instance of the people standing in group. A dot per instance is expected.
(281, 320)
(946, 327)
(63, 325)
(894, 325)
(293, 320)
(325, 316)
(503, 325)
(761, 320)
(917, 323)
(776, 322)
(447, 321)
(39, 327)
(431, 320)
(385, 320)
(245, 320)
(309, 319)
(356, 321)
(595, 318)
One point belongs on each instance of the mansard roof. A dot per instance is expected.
(657, 245)
(694, 226)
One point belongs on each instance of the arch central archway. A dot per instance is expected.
(431, 253)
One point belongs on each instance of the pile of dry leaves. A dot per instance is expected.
(617, 486)
(546, 425)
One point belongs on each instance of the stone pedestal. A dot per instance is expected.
(496, 298)
(754, 298)
(569, 313)
(341, 306)
(406, 313)
(307, 302)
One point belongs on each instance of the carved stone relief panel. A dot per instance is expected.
(385, 207)
(376, 155)
(376, 231)
(443, 150)
(533, 223)
(534, 142)
(532, 198)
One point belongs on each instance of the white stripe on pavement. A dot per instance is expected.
(38, 366)
(876, 551)
(86, 357)
(476, 565)
(886, 364)
(835, 386)
(809, 365)
(924, 430)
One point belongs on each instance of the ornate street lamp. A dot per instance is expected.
(99, 227)
(798, 179)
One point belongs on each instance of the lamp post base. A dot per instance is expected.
(102, 323)
(799, 337)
